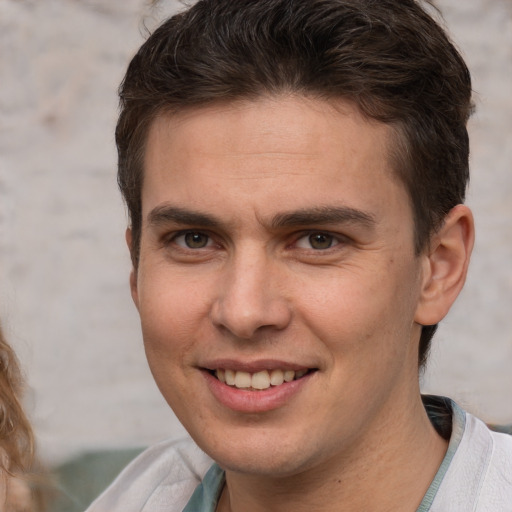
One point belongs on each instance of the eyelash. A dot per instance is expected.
(173, 239)
(334, 239)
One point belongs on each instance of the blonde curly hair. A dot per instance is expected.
(17, 458)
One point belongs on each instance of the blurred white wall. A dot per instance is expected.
(64, 297)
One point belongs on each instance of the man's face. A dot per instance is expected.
(277, 244)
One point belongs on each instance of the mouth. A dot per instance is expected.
(258, 381)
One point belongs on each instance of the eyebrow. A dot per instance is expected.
(323, 215)
(168, 214)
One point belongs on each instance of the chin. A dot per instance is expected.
(263, 466)
(262, 457)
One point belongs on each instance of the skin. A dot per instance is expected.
(3, 482)
(256, 287)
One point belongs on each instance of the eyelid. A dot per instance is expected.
(171, 238)
(338, 239)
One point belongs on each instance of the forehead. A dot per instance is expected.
(287, 150)
(280, 124)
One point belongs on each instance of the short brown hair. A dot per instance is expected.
(389, 57)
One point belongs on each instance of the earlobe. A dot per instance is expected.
(133, 273)
(445, 266)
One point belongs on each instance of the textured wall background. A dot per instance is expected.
(64, 298)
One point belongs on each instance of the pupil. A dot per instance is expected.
(196, 240)
(320, 241)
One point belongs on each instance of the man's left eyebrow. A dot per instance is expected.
(323, 215)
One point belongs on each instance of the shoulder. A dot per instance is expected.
(480, 474)
(482, 447)
(494, 451)
(164, 474)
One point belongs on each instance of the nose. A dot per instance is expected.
(250, 298)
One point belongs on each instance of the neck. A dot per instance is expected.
(390, 469)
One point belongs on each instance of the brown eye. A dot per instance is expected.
(321, 241)
(193, 240)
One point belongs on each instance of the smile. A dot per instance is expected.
(258, 381)
(257, 386)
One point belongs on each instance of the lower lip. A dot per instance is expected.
(243, 400)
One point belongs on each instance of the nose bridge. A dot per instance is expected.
(248, 297)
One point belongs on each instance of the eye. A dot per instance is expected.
(318, 241)
(193, 240)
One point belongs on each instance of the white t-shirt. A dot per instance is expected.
(176, 476)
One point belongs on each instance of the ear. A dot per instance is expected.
(445, 266)
(133, 273)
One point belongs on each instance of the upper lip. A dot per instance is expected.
(253, 366)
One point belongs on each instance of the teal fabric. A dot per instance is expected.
(208, 492)
(458, 426)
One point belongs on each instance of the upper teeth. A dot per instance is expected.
(258, 380)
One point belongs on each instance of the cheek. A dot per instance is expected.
(362, 310)
(173, 311)
(171, 320)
